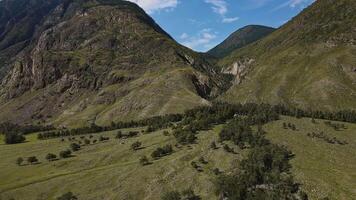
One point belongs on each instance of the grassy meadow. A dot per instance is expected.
(111, 169)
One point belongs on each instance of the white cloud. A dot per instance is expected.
(221, 7)
(218, 6)
(184, 36)
(202, 41)
(229, 20)
(151, 6)
(294, 4)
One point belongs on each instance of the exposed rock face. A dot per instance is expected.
(239, 69)
(98, 61)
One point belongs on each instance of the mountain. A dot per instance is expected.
(310, 62)
(77, 62)
(239, 39)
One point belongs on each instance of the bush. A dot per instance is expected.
(19, 161)
(86, 142)
(75, 147)
(136, 146)
(67, 196)
(160, 152)
(32, 160)
(144, 161)
(65, 154)
(51, 157)
(119, 135)
(165, 133)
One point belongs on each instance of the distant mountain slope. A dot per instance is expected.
(309, 62)
(239, 39)
(97, 61)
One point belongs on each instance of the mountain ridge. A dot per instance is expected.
(308, 62)
(240, 38)
(96, 62)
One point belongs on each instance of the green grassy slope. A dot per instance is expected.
(309, 62)
(123, 66)
(323, 169)
(111, 170)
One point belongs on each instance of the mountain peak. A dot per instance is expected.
(240, 38)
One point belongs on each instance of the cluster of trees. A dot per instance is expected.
(326, 138)
(14, 138)
(185, 136)
(50, 157)
(264, 173)
(239, 131)
(162, 151)
(343, 116)
(14, 133)
(25, 129)
(266, 170)
(30, 160)
(187, 194)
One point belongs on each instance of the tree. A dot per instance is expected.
(75, 147)
(67, 196)
(14, 138)
(19, 161)
(144, 161)
(87, 142)
(172, 195)
(65, 154)
(32, 160)
(136, 145)
(119, 135)
(50, 157)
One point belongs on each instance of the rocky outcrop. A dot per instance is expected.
(239, 69)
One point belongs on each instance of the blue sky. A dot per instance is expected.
(202, 24)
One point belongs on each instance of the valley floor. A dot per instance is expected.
(111, 169)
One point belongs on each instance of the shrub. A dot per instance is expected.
(119, 135)
(160, 152)
(144, 161)
(75, 147)
(136, 145)
(67, 196)
(19, 161)
(87, 142)
(65, 154)
(51, 157)
(32, 160)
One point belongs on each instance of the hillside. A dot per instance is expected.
(239, 39)
(309, 62)
(94, 61)
(323, 169)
